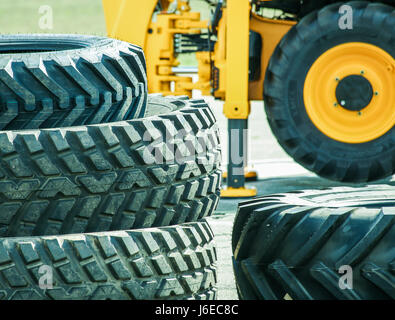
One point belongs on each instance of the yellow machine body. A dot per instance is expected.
(155, 34)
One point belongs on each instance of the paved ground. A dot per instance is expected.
(277, 173)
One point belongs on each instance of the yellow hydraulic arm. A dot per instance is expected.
(237, 105)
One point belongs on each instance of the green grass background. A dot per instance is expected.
(69, 16)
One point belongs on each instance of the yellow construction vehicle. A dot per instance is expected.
(325, 70)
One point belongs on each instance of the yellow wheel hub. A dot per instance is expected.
(327, 113)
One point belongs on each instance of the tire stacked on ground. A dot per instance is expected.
(296, 245)
(107, 187)
(157, 263)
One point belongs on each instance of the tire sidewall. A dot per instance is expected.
(86, 43)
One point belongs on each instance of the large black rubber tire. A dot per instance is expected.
(106, 177)
(316, 33)
(295, 243)
(49, 81)
(159, 263)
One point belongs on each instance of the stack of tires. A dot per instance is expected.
(103, 188)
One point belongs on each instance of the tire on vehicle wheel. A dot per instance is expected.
(176, 262)
(333, 116)
(51, 81)
(300, 245)
(155, 171)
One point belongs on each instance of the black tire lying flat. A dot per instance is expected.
(296, 243)
(155, 171)
(51, 81)
(315, 34)
(159, 263)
